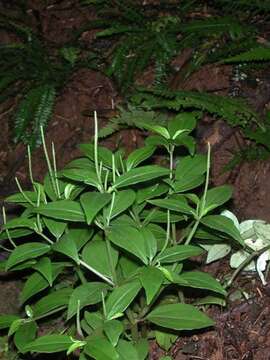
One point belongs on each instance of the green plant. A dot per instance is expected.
(155, 106)
(143, 36)
(105, 242)
(256, 254)
(33, 71)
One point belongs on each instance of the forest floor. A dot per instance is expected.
(242, 330)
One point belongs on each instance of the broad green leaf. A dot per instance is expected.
(179, 317)
(80, 234)
(191, 167)
(104, 154)
(187, 141)
(223, 224)
(19, 198)
(138, 156)
(71, 192)
(159, 233)
(150, 242)
(178, 253)
(120, 298)
(21, 222)
(160, 216)
(201, 280)
(81, 163)
(113, 329)
(151, 279)
(161, 130)
(122, 201)
(49, 344)
(128, 266)
(56, 227)
(67, 246)
(175, 204)
(216, 197)
(231, 216)
(88, 294)
(44, 266)
(165, 339)
(15, 325)
(124, 220)
(209, 234)
(36, 283)
(25, 265)
(65, 210)
(55, 300)
(92, 203)
(183, 121)
(130, 239)
(95, 254)
(140, 174)
(15, 233)
(127, 350)
(49, 188)
(25, 334)
(151, 192)
(157, 140)
(100, 349)
(188, 183)
(7, 320)
(142, 347)
(86, 176)
(25, 252)
(94, 319)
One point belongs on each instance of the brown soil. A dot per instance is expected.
(242, 330)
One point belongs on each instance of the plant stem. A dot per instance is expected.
(96, 272)
(109, 251)
(45, 238)
(55, 172)
(133, 325)
(171, 150)
(23, 193)
(96, 150)
(245, 263)
(202, 205)
(200, 209)
(80, 275)
(191, 234)
(78, 323)
(51, 173)
(30, 164)
(5, 221)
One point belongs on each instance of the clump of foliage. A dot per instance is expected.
(146, 35)
(34, 71)
(154, 36)
(103, 245)
(152, 105)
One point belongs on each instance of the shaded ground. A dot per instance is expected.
(243, 329)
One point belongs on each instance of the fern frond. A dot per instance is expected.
(33, 111)
(109, 129)
(43, 113)
(256, 54)
(253, 7)
(235, 111)
(215, 25)
(130, 117)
